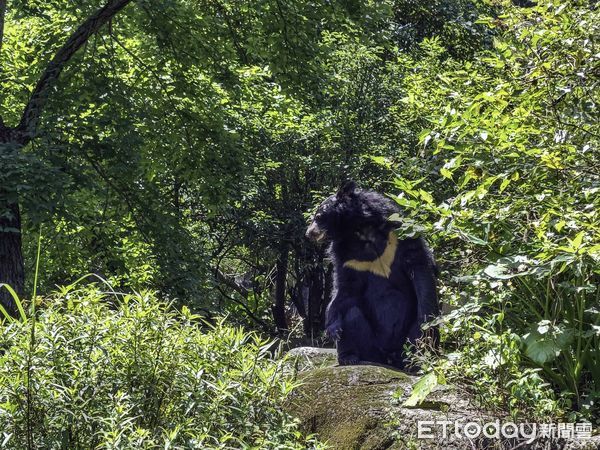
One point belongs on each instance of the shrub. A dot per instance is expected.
(105, 371)
(516, 203)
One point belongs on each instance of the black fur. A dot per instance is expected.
(372, 316)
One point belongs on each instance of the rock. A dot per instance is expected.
(360, 407)
(305, 358)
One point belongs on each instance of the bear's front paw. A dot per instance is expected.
(351, 360)
(334, 331)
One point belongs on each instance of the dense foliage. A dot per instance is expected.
(516, 149)
(185, 143)
(109, 371)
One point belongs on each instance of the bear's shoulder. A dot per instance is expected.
(415, 251)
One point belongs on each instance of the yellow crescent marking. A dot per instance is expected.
(382, 266)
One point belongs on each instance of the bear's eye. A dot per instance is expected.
(318, 216)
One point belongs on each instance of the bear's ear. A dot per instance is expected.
(347, 189)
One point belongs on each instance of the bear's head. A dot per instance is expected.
(350, 210)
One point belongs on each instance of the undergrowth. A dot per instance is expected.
(100, 370)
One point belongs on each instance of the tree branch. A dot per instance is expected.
(31, 114)
(231, 283)
(248, 311)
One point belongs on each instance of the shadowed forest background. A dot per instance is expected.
(180, 147)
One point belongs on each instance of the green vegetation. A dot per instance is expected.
(179, 147)
(516, 148)
(106, 371)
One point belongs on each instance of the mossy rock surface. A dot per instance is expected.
(360, 408)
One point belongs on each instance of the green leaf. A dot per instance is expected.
(446, 173)
(473, 239)
(17, 301)
(422, 389)
(576, 243)
(540, 350)
(426, 196)
(546, 341)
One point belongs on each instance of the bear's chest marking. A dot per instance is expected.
(381, 266)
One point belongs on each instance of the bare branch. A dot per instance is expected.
(232, 284)
(33, 109)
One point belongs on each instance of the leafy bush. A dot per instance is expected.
(512, 195)
(97, 370)
(486, 354)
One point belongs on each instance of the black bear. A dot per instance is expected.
(384, 287)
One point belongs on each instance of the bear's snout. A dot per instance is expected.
(314, 232)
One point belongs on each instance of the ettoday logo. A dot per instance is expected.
(527, 432)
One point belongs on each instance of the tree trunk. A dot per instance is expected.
(13, 139)
(11, 254)
(328, 288)
(2, 15)
(280, 278)
(316, 288)
(315, 297)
